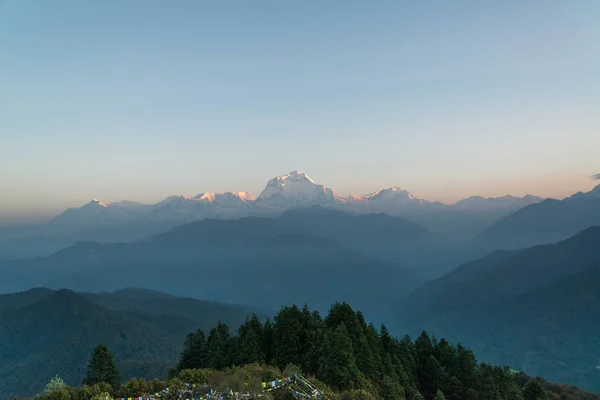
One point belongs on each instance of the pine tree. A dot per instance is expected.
(373, 339)
(466, 367)
(102, 368)
(287, 331)
(433, 377)
(311, 340)
(250, 350)
(267, 342)
(424, 349)
(338, 366)
(195, 352)
(218, 343)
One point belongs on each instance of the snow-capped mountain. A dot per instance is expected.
(478, 203)
(96, 213)
(292, 190)
(204, 205)
(296, 189)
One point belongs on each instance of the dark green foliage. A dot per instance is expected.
(343, 352)
(55, 334)
(362, 362)
(287, 341)
(250, 342)
(218, 347)
(102, 368)
(533, 390)
(195, 351)
(338, 366)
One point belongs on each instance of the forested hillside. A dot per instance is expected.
(346, 357)
(45, 332)
(535, 309)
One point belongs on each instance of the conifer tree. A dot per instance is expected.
(102, 368)
(267, 341)
(466, 367)
(195, 352)
(287, 330)
(338, 366)
(218, 343)
(439, 395)
(250, 349)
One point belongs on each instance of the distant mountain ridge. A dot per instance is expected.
(548, 221)
(127, 221)
(259, 261)
(535, 309)
(295, 189)
(47, 332)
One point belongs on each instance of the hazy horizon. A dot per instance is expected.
(142, 100)
(573, 185)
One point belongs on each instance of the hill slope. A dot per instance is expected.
(56, 334)
(545, 222)
(256, 261)
(533, 308)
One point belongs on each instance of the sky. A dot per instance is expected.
(141, 99)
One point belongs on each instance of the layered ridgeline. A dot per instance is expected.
(544, 222)
(45, 332)
(535, 309)
(342, 355)
(264, 262)
(130, 221)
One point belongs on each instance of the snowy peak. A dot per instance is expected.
(296, 189)
(95, 204)
(292, 190)
(394, 195)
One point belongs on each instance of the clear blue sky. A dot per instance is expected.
(124, 99)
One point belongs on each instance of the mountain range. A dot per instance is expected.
(127, 221)
(548, 221)
(535, 309)
(259, 261)
(45, 332)
(293, 190)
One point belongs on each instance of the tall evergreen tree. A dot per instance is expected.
(195, 352)
(466, 367)
(249, 347)
(102, 368)
(433, 377)
(424, 349)
(338, 366)
(439, 395)
(311, 340)
(267, 341)
(287, 332)
(218, 343)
